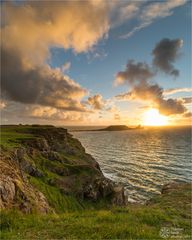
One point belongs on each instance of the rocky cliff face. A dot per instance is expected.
(49, 156)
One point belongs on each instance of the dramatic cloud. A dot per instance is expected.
(96, 102)
(142, 91)
(29, 29)
(34, 26)
(138, 76)
(153, 11)
(154, 94)
(27, 33)
(171, 106)
(38, 85)
(165, 53)
(134, 73)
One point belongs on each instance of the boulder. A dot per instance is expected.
(29, 168)
(7, 191)
(171, 186)
(19, 153)
(106, 189)
(89, 192)
(119, 197)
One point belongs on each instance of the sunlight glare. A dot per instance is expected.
(152, 117)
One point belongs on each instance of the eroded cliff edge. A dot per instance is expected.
(44, 167)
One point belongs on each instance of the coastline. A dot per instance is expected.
(34, 199)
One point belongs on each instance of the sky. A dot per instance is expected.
(95, 62)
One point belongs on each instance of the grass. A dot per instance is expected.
(11, 138)
(58, 201)
(131, 222)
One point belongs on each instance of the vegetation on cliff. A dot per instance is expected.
(45, 169)
(52, 189)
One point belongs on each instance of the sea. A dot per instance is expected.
(142, 160)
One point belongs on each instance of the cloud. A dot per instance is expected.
(135, 29)
(112, 108)
(29, 31)
(65, 24)
(18, 112)
(53, 114)
(187, 100)
(165, 53)
(38, 85)
(160, 9)
(121, 11)
(171, 106)
(66, 66)
(133, 73)
(144, 107)
(176, 90)
(143, 91)
(152, 11)
(187, 115)
(153, 93)
(42, 111)
(96, 102)
(123, 96)
(139, 75)
(117, 117)
(27, 34)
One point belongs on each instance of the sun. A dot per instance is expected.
(152, 117)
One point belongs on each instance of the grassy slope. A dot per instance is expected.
(75, 220)
(131, 222)
(12, 137)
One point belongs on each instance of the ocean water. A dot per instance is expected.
(142, 160)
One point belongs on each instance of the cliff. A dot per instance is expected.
(43, 169)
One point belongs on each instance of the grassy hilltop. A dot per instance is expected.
(52, 189)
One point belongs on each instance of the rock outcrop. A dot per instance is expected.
(54, 158)
(172, 187)
(15, 190)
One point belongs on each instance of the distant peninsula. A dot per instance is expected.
(119, 128)
(110, 128)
